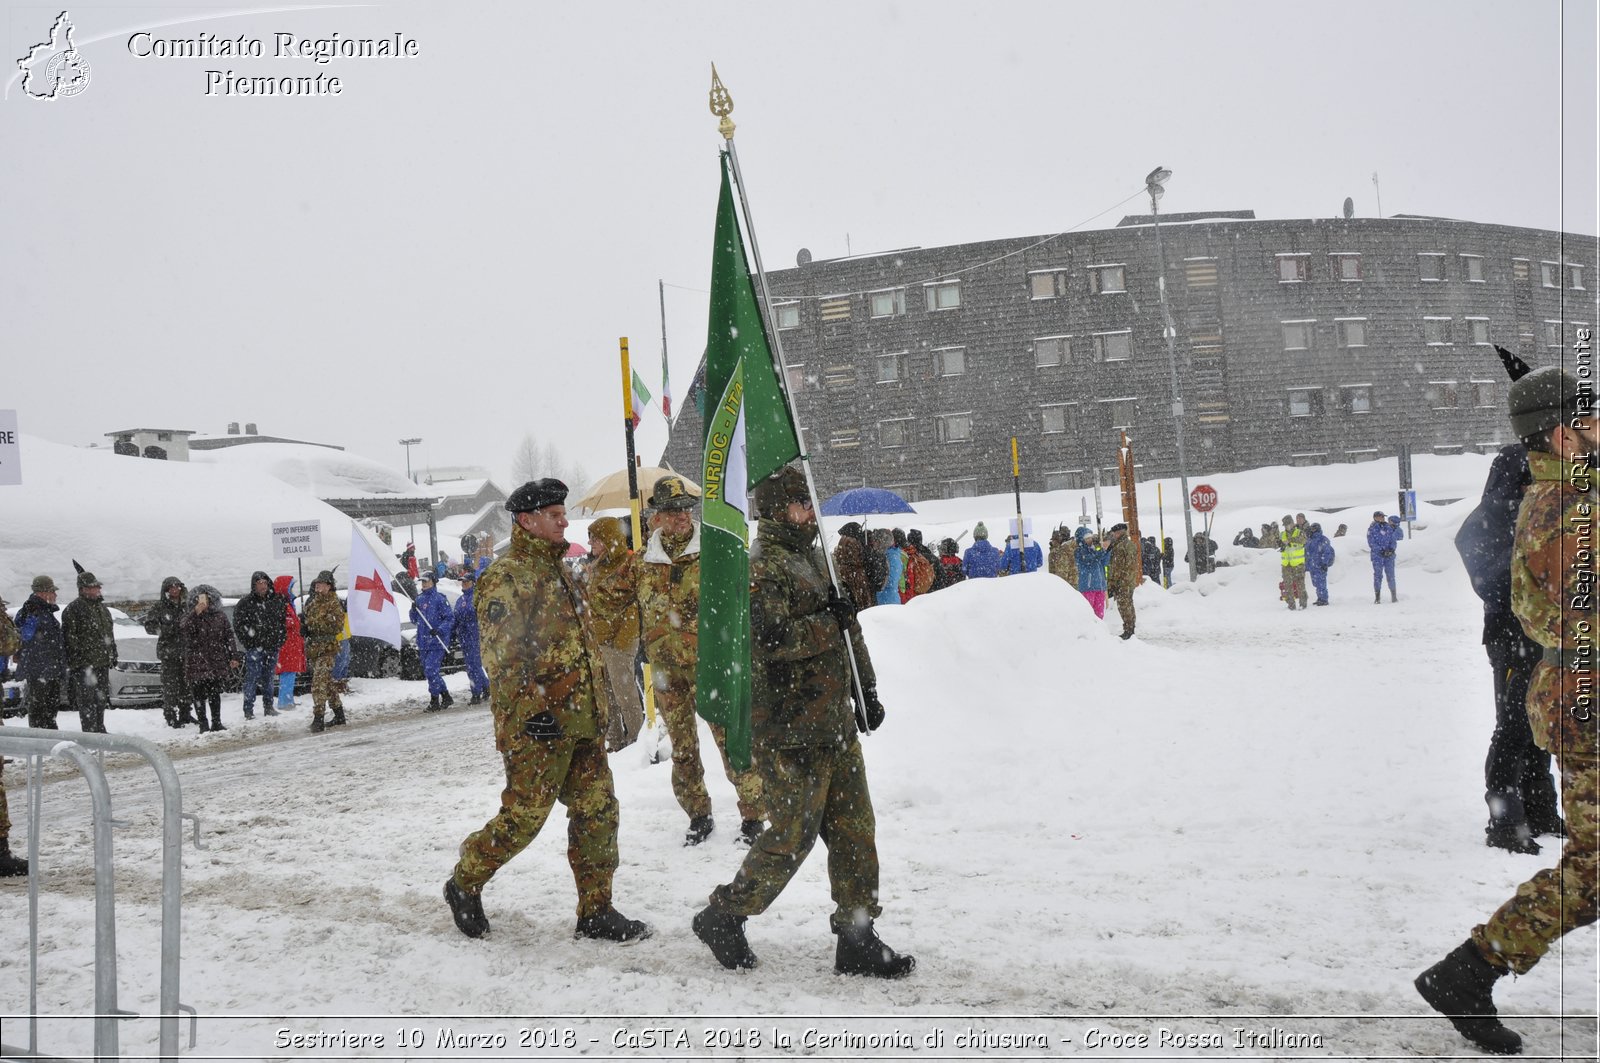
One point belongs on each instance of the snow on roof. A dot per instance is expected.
(133, 521)
(135, 431)
(320, 471)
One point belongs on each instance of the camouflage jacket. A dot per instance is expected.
(536, 643)
(1123, 575)
(612, 591)
(669, 597)
(86, 627)
(1064, 562)
(1553, 596)
(323, 622)
(800, 686)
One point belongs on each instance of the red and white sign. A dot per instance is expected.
(371, 606)
(1203, 498)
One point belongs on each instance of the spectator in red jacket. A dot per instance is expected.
(292, 657)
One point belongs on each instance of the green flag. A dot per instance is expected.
(749, 436)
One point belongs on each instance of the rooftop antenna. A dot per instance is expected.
(1379, 192)
(1349, 208)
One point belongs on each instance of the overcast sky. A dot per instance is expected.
(450, 248)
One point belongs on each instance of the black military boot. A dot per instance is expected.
(1508, 827)
(467, 908)
(1461, 988)
(268, 710)
(723, 934)
(317, 726)
(10, 866)
(861, 952)
(338, 717)
(200, 718)
(611, 925)
(433, 703)
(216, 719)
(475, 699)
(749, 831)
(445, 700)
(700, 828)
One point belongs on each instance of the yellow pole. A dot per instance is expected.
(633, 506)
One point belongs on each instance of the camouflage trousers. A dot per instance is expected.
(538, 774)
(811, 793)
(1294, 584)
(1124, 600)
(89, 692)
(626, 718)
(1564, 897)
(319, 657)
(675, 702)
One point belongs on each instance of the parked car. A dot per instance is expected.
(136, 679)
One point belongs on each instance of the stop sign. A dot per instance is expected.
(1203, 498)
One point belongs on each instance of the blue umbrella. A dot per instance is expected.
(860, 501)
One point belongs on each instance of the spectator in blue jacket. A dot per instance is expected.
(1013, 562)
(894, 560)
(431, 613)
(1092, 562)
(466, 632)
(1319, 558)
(42, 661)
(981, 560)
(1382, 537)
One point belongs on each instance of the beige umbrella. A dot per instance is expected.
(612, 491)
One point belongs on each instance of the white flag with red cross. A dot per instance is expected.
(370, 603)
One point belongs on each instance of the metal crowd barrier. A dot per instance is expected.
(73, 746)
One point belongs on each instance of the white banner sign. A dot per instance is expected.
(10, 449)
(301, 538)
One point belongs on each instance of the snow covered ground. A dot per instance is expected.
(1243, 819)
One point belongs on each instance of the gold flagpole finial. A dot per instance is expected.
(721, 105)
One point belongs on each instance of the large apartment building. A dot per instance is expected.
(1297, 342)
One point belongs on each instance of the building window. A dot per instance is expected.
(1472, 268)
(1063, 480)
(1113, 346)
(1047, 284)
(795, 377)
(889, 303)
(1352, 331)
(1051, 350)
(954, 427)
(1552, 333)
(1297, 335)
(845, 438)
(834, 308)
(788, 315)
(909, 492)
(1105, 280)
(1430, 266)
(1547, 274)
(1346, 266)
(1292, 269)
(949, 361)
(163, 437)
(891, 368)
(1120, 413)
(1482, 393)
(1308, 459)
(967, 487)
(1436, 331)
(1356, 398)
(1057, 418)
(896, 433)
(1305, 402)
(1575, 276)
(946, 295)
(1480, 330)
(1440, 394)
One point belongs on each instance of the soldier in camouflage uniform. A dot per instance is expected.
(91, 645)
(611, 589)
(1123, 575)
(323, 622)
(804, 728)
(669, 596)
(1552, 594)
(549, 721)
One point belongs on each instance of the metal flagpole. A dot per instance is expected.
(722, 107)
(638, 540)
(1016, 486)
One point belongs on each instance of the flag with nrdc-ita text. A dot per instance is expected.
(749, 436)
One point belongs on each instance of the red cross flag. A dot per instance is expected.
(369, 602)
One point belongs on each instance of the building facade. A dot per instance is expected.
(1296, 342)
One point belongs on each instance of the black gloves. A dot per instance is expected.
(542, 726)
(874, 708)
(842, 609)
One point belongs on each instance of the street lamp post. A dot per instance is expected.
(1154, 183)
(411, 529)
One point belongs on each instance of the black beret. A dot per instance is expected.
(537, 494)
